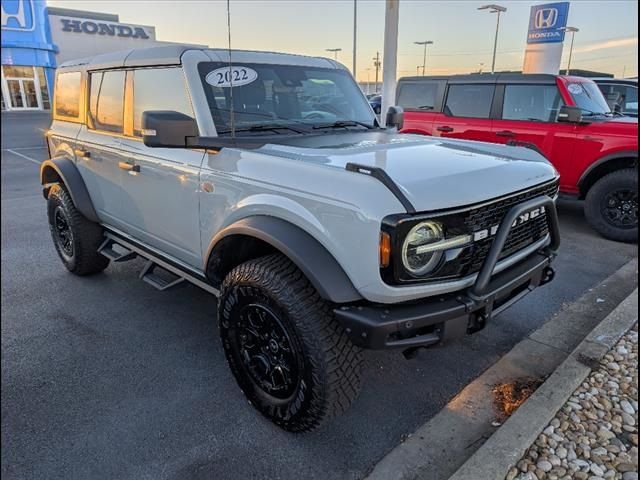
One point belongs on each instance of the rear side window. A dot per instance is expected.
(421, 96)
(68, 94)
(106, 101)
(535, 103)
(473, 101)
(625, 96)
(158, 89)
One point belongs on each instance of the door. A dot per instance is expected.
(98, 151)
(20, 86)
(160, 185)
(420, 100)
(528, 115)
(466, 113)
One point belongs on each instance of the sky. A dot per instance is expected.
(462, 35)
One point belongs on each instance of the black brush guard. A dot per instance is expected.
(436, 319)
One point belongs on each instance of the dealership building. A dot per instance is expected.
(37, 38)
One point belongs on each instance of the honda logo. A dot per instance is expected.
(19, 17)
(546, 18)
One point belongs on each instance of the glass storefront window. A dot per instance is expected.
(12, 71)
(44, 91)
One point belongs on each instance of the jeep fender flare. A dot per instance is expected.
(587, 179)
(309, 255)
(63, 170)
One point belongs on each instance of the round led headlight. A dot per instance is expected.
(417, 257)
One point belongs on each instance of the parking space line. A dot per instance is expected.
(25, 148)
(33, 160)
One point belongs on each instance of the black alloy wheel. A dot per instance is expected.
(620, 208)
(266, 351)
(63, 235)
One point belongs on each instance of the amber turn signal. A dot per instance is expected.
(385, 249)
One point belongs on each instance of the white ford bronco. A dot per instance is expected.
(266, 180)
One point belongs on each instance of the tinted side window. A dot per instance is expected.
(627, 96)
(68, 94)
(106, 102)
(158, 89)
(472, 101)
(536, 103)
(418, 95)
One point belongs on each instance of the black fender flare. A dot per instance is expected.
(62, 169)
(309, 255)
(632, 154)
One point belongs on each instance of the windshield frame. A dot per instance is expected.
(594, 96)
(304, 127)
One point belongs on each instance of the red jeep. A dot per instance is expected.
(565, 118)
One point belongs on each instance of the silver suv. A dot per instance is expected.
(265, 179)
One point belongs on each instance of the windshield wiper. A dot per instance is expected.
(343, 124)
(270, 127)
(590, 113)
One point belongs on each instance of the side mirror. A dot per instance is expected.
(167, 129)
(569, 114)
(395, 117)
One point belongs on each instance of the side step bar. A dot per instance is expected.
(119, 249)
(148, 275)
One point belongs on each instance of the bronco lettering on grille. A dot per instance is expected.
(522, 219)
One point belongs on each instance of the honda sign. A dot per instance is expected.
(546, 23)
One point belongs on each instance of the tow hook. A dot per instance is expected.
(548, 274)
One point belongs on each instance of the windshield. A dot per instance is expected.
(283, 98)
(588, 97)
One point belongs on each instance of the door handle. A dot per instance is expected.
(445, 129)
(505, 133)
(82, 153)
(129, 167)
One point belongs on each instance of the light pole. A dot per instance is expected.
(424, 57)
(573, 31)
(418, 69)
(494, 9)
(368, 70)
(481, 64)
(335, 52)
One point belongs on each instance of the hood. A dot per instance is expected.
(433, 173)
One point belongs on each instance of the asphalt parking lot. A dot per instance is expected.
(105, 377)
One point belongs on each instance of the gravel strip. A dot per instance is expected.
(595, 434)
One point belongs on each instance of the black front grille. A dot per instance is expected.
(521, 236)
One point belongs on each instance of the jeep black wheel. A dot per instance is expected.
(75, 238)
(612, 206)
(288, 354)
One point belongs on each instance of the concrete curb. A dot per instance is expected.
(508, 444)
(439, 447)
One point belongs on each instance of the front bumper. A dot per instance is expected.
(437, 319)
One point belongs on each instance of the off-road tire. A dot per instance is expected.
(329, 365)
(82, 258)
(626, 179)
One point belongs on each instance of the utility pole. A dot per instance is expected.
(376, 63)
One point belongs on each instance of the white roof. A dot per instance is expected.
(172, 54)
